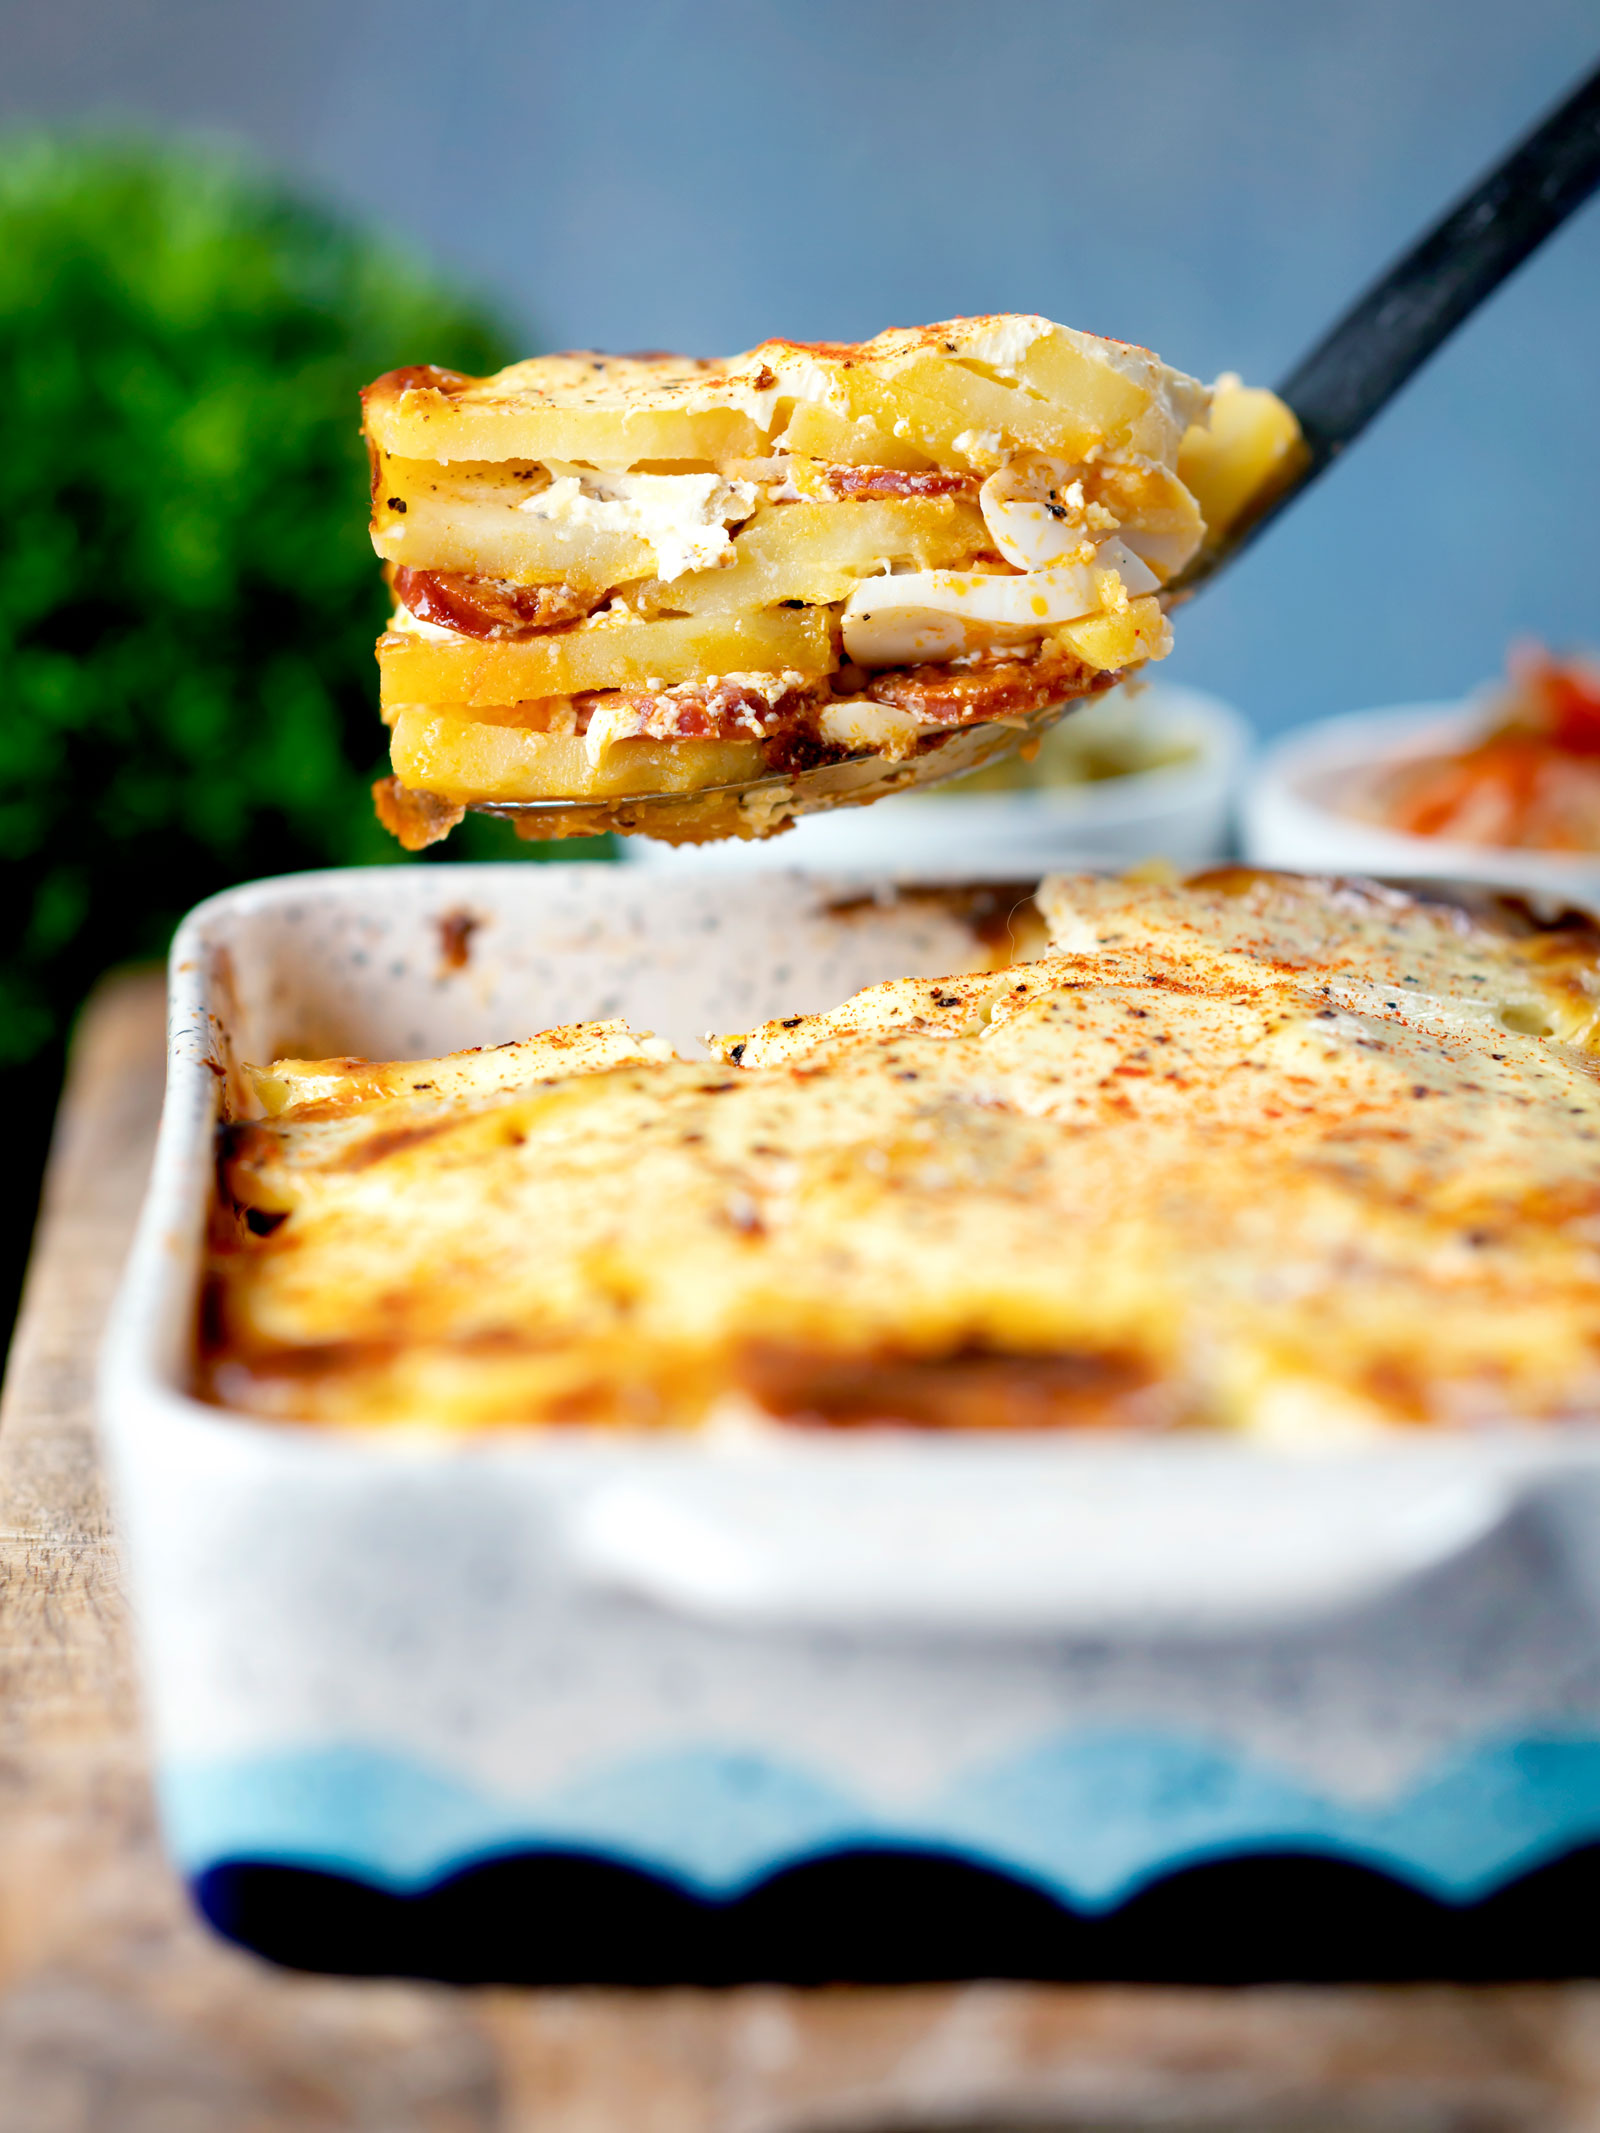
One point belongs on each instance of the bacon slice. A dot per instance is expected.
(784, 720)
(1006, 688)
(894, 481)
(490, 607)
(728, 709)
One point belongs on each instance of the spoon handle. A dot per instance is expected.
(1387, 335)
(1390, 332)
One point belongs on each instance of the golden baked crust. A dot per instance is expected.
(659, 406)
(649, 407)
(1281, 1156)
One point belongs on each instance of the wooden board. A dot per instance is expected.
(119, 2013)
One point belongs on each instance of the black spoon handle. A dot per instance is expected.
(1387, 335)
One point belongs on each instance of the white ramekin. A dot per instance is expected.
(1288, 816)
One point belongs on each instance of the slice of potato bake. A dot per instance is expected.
(629, 576)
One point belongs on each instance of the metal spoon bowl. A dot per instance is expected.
(755, 806)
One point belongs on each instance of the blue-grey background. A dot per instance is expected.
(1215, 181)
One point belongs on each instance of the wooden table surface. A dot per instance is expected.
(119, 2013)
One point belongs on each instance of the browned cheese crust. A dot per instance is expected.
(1300, 1159)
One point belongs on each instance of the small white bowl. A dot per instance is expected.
(1288, 817)
(1179, 811)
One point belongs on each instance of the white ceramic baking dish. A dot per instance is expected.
(1075, 1662)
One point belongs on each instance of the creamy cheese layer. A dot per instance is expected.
(684, 517)
(1294, 1158)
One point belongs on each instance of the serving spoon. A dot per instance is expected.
(1334, 391)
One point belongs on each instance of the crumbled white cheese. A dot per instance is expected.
(619, 718)
(608, 721)
(684, 517)
(981, 447)
(772, 687)
(776, 475)
(411, 625)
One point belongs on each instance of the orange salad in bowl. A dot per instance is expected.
(1532, 780)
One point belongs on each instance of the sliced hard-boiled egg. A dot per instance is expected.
(938, 614)
(1036, 514)
(879, 727)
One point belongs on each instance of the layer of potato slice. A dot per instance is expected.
(965, 419)
(604, 654)
(823, 432)
(457, 1078)
(1251, 449)
(613, 411)
(464, 516)
(819, 552)
(464, 759)
(963, 392)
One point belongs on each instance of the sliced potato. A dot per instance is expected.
(1252, 447)
(889, 401)
(464, 516)
(467, 518)
(824, 433)
(539, 714)
(1108, 642)
(611, 411)
(966, 419)
(290, 1085)
(820, 552)
(462, 759)
(603, 654)
(1102, 400)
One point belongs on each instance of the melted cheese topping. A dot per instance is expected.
(1261, 1154)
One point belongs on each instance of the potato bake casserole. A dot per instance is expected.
(1267, 1154)
(625, 576)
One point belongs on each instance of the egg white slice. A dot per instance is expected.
(938, 614)
(1035, 511)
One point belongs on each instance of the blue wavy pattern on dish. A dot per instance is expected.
(1089, 1817)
